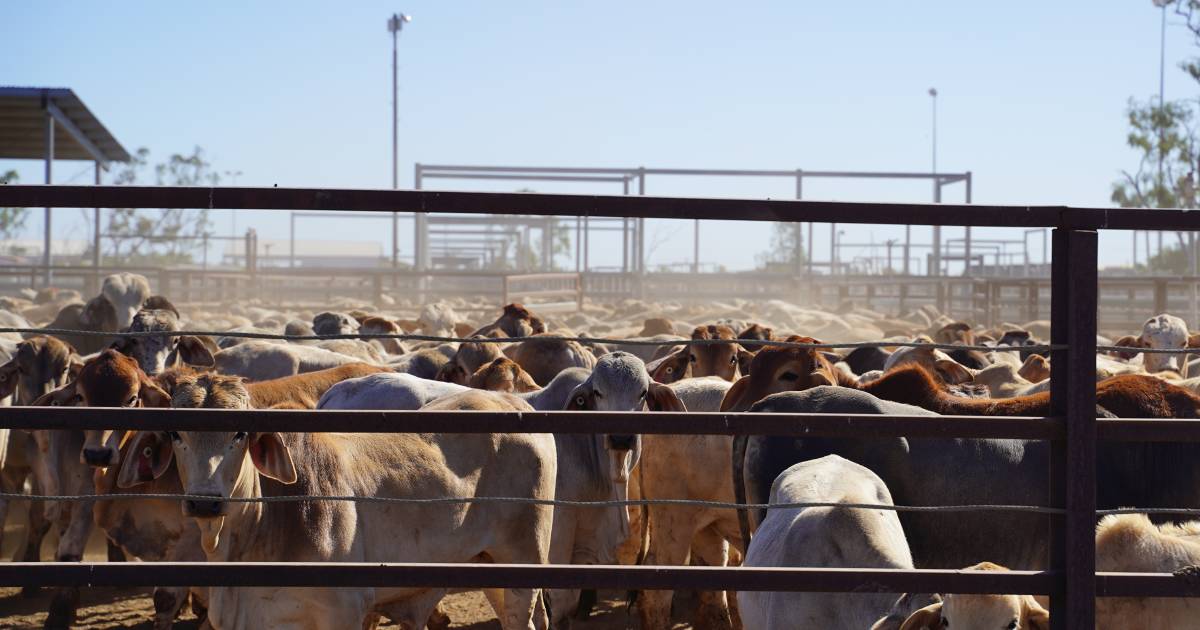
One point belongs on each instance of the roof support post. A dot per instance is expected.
(47, 274)
(96, 231)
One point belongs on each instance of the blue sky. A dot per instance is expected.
(1032, 95)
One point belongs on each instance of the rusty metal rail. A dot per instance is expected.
(1073, 584)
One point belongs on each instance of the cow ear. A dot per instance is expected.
(581, 399)
(1193, 340)
(74, 367)
(1036, 617)
(953, 372)
(929, 617)
(8, 379)
(123, 345)
(659, 397)
(452, 373)
(744, 357)
(821, 377)
(146, 459)
(151, 395)
(194, 352)
(272, 458)
(733, 397)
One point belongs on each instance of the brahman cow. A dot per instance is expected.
(248, 465)
(1131, 543)
(831, 537)
(156, 353)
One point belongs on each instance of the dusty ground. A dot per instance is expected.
(133, 608)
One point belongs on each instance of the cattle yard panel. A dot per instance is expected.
(1073, 583)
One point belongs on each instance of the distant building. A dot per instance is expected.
(309, 254)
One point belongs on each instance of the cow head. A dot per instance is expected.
(933, 360)
(1164, 332)
(126, 292)
(112, 379)
(781, 369)
(210, 464)
(40, 365)
(518, 321)
(470, 357)
(955, 333)
(981, 611)
(503, 375)
(656, 326)
(619, 382)
(717, 359)
(155, 354)
(334, 324)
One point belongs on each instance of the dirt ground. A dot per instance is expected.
(133, 608)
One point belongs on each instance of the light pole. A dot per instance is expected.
(395, 24)
(936, 267)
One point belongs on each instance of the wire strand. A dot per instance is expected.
(602, 340)
(551, 502)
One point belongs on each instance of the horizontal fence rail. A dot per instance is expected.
(779, 210)
(472, 576)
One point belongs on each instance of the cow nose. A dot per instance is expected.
(621, 442)
(97, 456)
(204, 508)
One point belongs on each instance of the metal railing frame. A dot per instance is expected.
(1073, 428)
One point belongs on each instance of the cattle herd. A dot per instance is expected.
(997, 371)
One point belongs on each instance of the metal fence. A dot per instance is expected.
(1073, 428)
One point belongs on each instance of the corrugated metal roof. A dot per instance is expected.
(23, 127)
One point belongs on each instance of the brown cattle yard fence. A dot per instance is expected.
(1072, 582)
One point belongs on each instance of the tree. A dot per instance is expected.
(1166, 172)
(165, 236)
(12, 220)
(1165, 136)
(786, 250)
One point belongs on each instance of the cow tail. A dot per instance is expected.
(739, 488)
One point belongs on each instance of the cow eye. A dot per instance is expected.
(239, 436)
(644, 394)
(174, 436)
(597, 395)
(733, 359)
(692, 358)
(132, 401)
(789, 376)
(945, 622)
(1012, 625)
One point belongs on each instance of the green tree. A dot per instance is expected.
(1164, 135)
(12, 220)
(785, 251)
(1166, 173)
(159, 236)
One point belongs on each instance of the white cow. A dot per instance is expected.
(825, 537)
(261, 360)
(126, 292)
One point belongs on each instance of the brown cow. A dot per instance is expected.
(702, 359)
(514, 321)
(503, 375)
